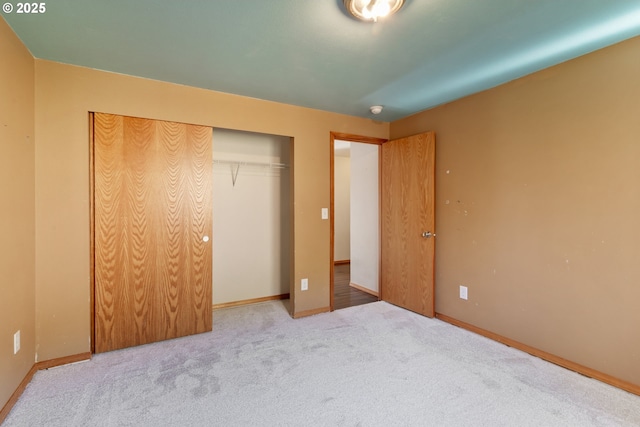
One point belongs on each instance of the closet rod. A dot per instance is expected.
(239, 163)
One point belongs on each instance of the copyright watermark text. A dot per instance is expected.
(24, 8)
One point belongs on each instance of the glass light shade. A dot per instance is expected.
(371, 10)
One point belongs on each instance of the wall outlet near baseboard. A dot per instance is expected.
(464, 292)
(304, 284)
(16, 342)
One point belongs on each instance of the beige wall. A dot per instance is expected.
(64, 96)
(17, 223)
(538, 209)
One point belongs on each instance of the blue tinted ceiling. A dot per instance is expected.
(309, 53)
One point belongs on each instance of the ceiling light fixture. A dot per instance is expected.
(371, 10)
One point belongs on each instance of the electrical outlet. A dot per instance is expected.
(16, 342)
(304, 284)
(463, 292)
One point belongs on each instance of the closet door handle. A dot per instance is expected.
(205, 239)
(427, 234)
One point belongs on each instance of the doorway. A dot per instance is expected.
(406, 205)
(355, 224)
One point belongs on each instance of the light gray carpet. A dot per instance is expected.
(371, 365)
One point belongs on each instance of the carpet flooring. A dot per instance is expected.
(370, 365)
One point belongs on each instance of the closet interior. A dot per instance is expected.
(252, 202)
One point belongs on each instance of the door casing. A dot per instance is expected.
(356, 139)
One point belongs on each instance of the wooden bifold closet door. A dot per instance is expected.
(152, 188)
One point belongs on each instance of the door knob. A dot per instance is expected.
(428, 234)
(205, 239)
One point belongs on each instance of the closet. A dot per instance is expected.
(171, 201)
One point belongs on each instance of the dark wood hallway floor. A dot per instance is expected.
(344, 295)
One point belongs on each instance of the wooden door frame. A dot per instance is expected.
(363, 140)
(92, 225)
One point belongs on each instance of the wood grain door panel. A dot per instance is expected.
(152, 207)
(407, 210)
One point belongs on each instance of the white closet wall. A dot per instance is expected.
(365, 224)
(251, 217)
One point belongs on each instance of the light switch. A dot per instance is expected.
(325, 213)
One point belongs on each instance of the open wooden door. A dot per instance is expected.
(152, 226)
(408, 223)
